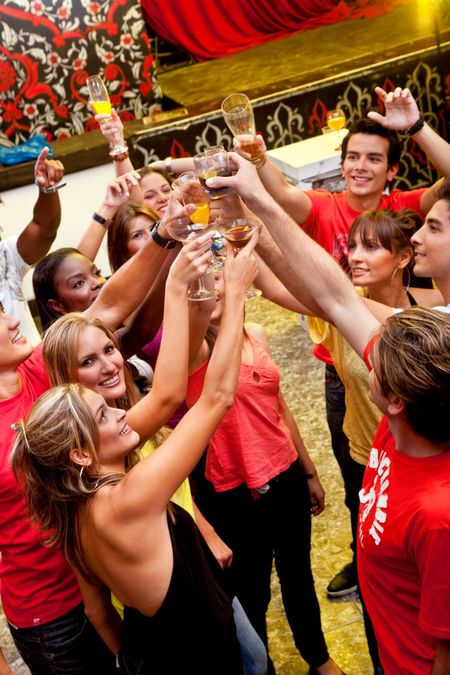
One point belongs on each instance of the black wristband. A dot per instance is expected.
(160, 241)
(105, 222)
(417, 126)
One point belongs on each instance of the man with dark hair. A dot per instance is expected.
(369, 162)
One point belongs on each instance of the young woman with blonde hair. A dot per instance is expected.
(178, 613)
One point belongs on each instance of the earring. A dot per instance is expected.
(81, 471)
(406, 287)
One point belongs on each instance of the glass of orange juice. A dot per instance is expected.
(99, 96)
(336, 120)
(192, 192)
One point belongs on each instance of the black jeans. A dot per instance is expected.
(66, 646)
(335, 407)
(258, 528)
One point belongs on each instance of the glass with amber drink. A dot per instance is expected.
(238, 114)
(238, 232)
(212, 162)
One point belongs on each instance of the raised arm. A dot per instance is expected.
(294, 201)
(117, 193)
(145, 322)
(275, 291)
(317, 278)
(402, 114)
(155, 479)
(115, 302)
(35, 240)
(170, 376)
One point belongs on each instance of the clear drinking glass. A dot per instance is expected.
(192, 192)
(237, 232)
(212, 162)
(238, 114)
(180, 229)
(336, 120)
(101, 104)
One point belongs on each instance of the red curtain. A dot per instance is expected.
(209, 29)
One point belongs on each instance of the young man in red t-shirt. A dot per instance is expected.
(404, 525)
(370, 161)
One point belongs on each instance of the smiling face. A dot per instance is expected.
(371, 263)
(77, 283)
(156, 191)
(137, 233)
(431, 245)
(365, 167)
(116, 438)
(14, 347)
(100, 364)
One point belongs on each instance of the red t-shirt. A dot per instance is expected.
(252, 444)
(331, 218)
(37, 585)
(404, 553)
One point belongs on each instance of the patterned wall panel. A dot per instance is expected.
(49, 47)
(299, 114)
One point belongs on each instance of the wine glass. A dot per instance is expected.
(210, 163)
(181, 229)
(192, 192)
(101, 104)
(238, 232)
(336, 120)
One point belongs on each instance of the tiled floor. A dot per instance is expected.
(302, 383)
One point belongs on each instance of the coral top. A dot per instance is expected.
(252, 444)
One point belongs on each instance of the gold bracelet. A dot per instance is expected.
(261, 161)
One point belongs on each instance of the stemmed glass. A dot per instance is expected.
(238, 232)
(181, 229)
(101, 104)
(192, 192)
(210, 163)
(336, 120)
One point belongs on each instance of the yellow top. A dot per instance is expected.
(362, 417)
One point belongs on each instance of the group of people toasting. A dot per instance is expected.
(108, 562)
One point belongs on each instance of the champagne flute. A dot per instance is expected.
(101, 104)
(181, 229)
(238, 232)
(336, 120)
(99, 96)
(238, 114)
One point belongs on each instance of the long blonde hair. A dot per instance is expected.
(55, 487)
(60, 348)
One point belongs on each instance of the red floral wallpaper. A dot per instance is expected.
(47, 50)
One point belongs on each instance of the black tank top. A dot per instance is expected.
(193, 631)
(411, 299)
